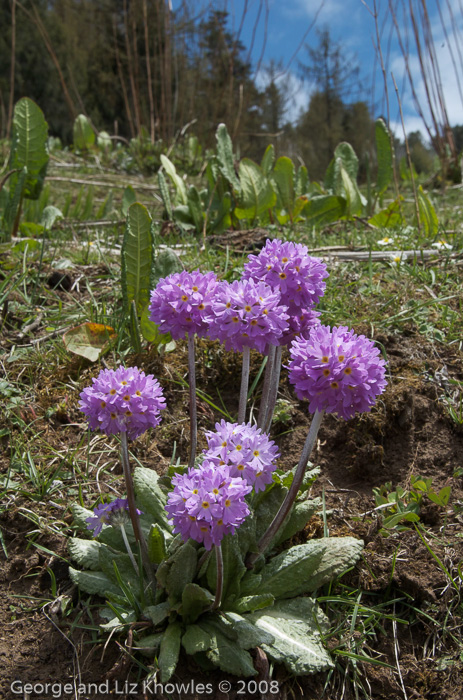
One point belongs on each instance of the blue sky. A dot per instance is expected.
(351, 23)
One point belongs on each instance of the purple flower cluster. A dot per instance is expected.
(245, 449)
(247, 314)
(109, 514)
(337, 371)
(207, 503)
(181, 303)
(287, 266)
(123, 400)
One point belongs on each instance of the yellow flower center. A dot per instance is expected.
(103, 404)
(247, 308)
(205, 504)
(348, 370)
(201, 307)
(256, 453)
(282, 275)
(195, 289)
(341, 358)
(326, 372)
(253, 322)
(138, 393)
(228, 503)
(184, 297)
(127, 397)
(112, 392)
(325, 358)
(334, 385)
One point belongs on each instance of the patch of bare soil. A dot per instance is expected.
(410, 433)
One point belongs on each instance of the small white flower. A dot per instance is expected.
(398, 258)
(386, 241)
(442, 245)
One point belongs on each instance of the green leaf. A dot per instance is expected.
(124, 567)
(157, 613)
(233, 567)
(170, 650)
(389, 217)
(104, 141)
(268, 160)
(195, 207)
(346, 154)
(165, 195)
(226, 653)
(156, 545)
(250, 603)
(257, 194)
(93, 582)
(384, 156)
(393, 520)
(80, 515)
(225, 158)
(300, 516)
(195, 600)
(85, 552)
(294, 625)
(267, 506)
(13, 203)
(302, 181)
(29, 147)
(182, 571)
(49, 215)
(136, 258)
(247, 635)
(196, 639)
(324, 209)
(180, 187)
(428, 216)
(89, 340)
(339, 555)
(351, 192)
(83, 134)
(250, 583)
(166, 263)
(287, 574)
(283, 182)
(149, 495)
(149, 645)
(128, 198)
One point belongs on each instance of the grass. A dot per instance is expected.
(54, 461)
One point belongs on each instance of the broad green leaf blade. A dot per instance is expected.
(294, 624)
(300, 516)
(124, 567)
(165, 195)
(389, 217)
(83, 134)
(247, 634)
(250, 603)
(268, 160)
(180, 187)
(170, 650)
(128, 198)
(49, 215)
(287, 575)
(428, 216)
(156, 545)
(196, 639)
(93, 582)
(157, 613)
(225, 157)
(195, 601)
(85, 552)
(384, 156)
(195, 207)
(137, 258)
(233, 567)
(283, 182)
(89, 340)
(80, 515)
(257, 194)
(350, 162)
(150, 497)
(182, 571)
(149, 645)
(166, 263)
(324, 209)
(351, 193)
(302, 181)
(29, 147)
(339, 555)
(225, 652)
(13, 203)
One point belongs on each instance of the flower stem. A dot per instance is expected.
(266, 387)
(129, 551)
(133, 510)
(219, 586)
(192, 383)
(244, 385)
(291, 496)
(273, 389)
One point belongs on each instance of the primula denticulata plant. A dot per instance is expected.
(189, 559)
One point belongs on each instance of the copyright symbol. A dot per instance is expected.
(224, 686)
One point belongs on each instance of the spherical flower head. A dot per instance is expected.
(207, 503)
(247, 314)
(287, 266)
(337, 371)
(246, 450)
(300, 323)
(114, 513)
(181, 303)
(125, 400)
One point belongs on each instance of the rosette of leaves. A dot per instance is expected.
(268, 606)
